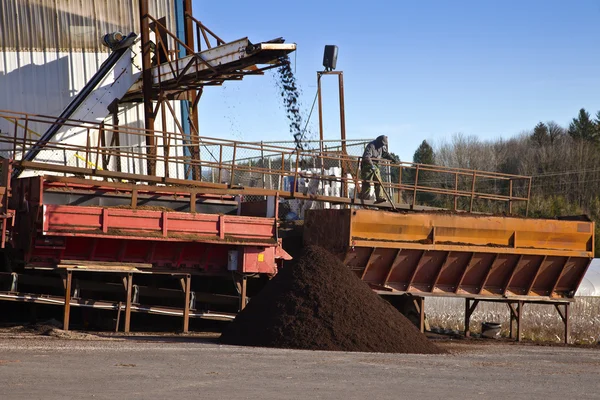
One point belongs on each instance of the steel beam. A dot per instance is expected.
(243, 297)
(67, 283)
(469, 310)
(147, 82)
(186, 306)
(420, 306)
(128, 303)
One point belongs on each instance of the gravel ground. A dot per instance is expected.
(159, 367)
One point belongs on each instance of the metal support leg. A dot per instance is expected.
(469, 310)
(567, 323)
(118, 317)
(512, 317)
(128, 303)
(67, 283)
(519, 314)
(467, 317)
(14, 282)
(515, 318)
(243, 298)
(420, 305)
(186, 307)
(565, 319)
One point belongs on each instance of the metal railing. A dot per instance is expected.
(102, 151)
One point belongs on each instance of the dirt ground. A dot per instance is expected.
(195, 366)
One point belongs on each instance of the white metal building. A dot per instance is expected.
(51, 48)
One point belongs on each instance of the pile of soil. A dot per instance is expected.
(51, 328)
(319, 304)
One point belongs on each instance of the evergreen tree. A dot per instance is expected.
(540, 135)
(424, 155)
(597, 125)
(583, 128)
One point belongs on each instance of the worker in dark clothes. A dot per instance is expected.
(374, 152)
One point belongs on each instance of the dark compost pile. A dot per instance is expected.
(319, 304)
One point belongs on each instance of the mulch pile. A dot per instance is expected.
(319, 304)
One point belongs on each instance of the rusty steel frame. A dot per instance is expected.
(516, 314)
(346, 167)
(7, 215)
(71, 299)
(340, 75)
(19, 144)
(178, 88)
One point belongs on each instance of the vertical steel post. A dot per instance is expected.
(467, 317)
(192, 94)
(455, 191)
(67, 312)
(186, 307)
(342, 112)
(510, 195)
(319, 74)
(243, 293)
(473, 191)
(147, 85)
(567, 323)
(343, 132)
(128, 303)
(528, 196)
(519, 314)
(415, 188)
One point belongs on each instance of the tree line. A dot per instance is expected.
(564, 162)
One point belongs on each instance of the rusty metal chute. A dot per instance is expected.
(457, 254)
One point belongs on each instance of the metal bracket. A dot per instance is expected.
(136, 294)
(14, 282)
(192, 300)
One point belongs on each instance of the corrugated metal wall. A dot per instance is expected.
(51, 48)
(43, 25)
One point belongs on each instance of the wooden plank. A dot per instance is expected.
(97, 268)
(67, 263)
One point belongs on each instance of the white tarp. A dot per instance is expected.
(590, 285)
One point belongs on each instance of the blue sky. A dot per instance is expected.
(414, 70)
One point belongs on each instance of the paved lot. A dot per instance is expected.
(159, 368)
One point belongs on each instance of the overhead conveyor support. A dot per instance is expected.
(114, 78)
(228, 61)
